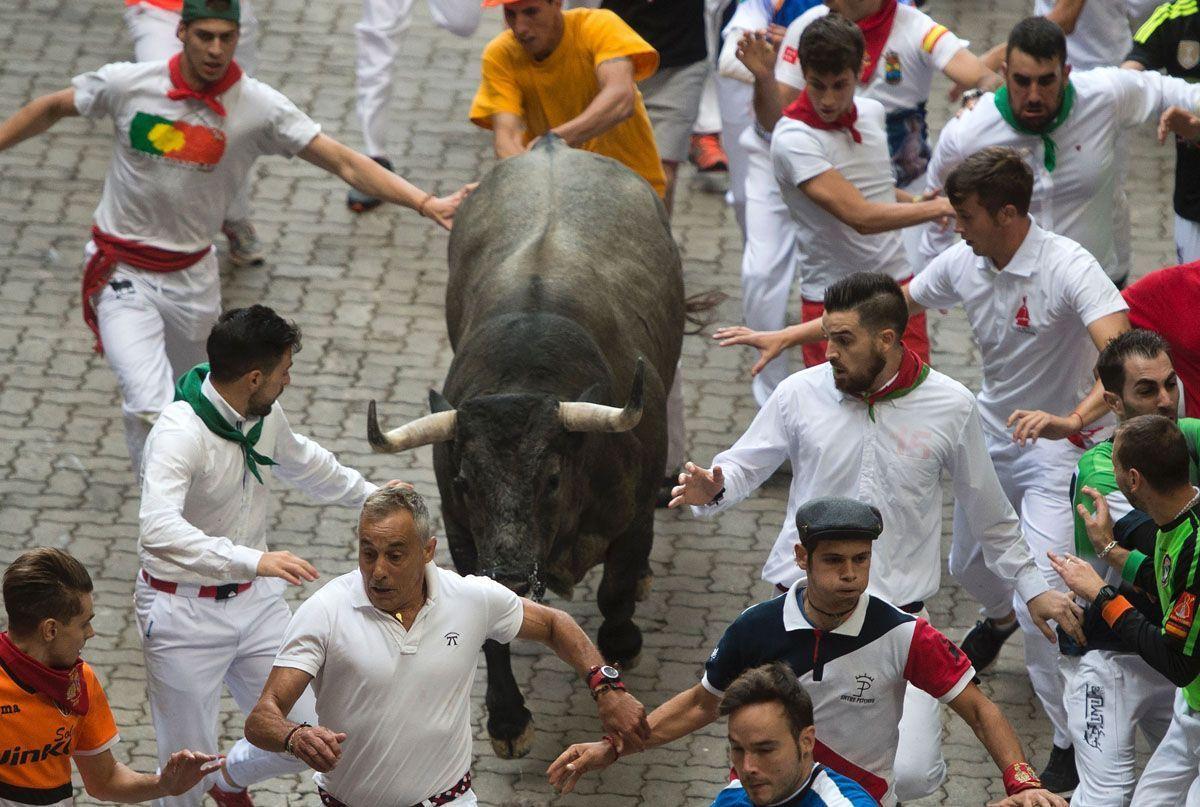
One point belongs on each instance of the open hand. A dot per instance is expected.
(697, 486)
(770, 344)
(185, 769)
(755, 51)
(442, 208)
(577, 760)
(1030, 424)
(1179, 121)
(1098, 523)
(1054, 605)
(285, 565)
(1078, 574)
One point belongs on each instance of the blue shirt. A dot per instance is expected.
(824, 788)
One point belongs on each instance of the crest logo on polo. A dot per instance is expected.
(451, 639)
(197, 146)
(1188, 53)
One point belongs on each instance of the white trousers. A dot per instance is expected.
(735, 99)
(1172, 776)
(920, 767)
(153, 31)
(154, 327)
(1036, 479)
(1111, 696)
(378, 36)
(769, 257)
(193, 644)
(1187, 239)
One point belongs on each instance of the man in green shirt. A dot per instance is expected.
(1113, 693)
(1151, 466)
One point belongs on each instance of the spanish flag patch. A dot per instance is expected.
(1183, 613)
(932, 36)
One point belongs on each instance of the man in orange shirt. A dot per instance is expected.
(572, 73)
(52, 705)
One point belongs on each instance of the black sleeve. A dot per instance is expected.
(1151, 43)
(1147, 639)
(728, 659)
(1144, 576)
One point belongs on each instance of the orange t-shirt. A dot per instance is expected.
(559, 88)
(37, 740)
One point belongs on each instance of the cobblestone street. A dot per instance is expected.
(368, 293)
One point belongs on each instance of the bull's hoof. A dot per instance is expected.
(620, 644)
(644, 584)
(517, 747)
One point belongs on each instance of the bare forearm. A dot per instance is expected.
(363, 173)
(768, 107)
(34, 118)
(571, 644)
(508, 144)
(267, 727)
(1092, 407)
(611, 106)
(875, 217)
(996, 734)
(127, 786)
(683, 714)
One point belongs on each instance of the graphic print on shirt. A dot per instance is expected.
(1179, 621)
(859, 688)
(1021, 320)
(892, 73)
(194, 145)
(1187, 53)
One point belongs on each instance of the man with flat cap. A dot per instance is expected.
(854, 653)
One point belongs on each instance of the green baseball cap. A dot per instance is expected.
(211, 10)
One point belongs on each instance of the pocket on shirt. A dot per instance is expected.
(909, 479)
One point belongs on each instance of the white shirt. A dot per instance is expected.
(916, 48)
(403, 696)
(1101, 37)
(1030, 320)
(1076, 199)
(203, 515)
(176, 165)
(894, 462)
(829, 249)
(856, 674)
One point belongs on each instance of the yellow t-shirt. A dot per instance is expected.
(559, 88)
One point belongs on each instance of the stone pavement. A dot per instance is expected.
(368, 292)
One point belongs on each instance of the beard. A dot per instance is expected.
(259, 407)
(860, 381)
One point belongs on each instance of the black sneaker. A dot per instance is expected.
(1060, 775)
(983, 642)
(360, 202)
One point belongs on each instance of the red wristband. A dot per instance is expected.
(1020, 776)
(616, 751)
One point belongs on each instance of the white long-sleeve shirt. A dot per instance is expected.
(203, 517)
(893, 461)
(1076, 199)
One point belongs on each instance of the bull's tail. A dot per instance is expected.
(699, 307)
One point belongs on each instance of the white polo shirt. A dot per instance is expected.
(916, 48)
(893, 460)
(856, 675)
(402, 695)
(1076, 199)
(828, 249)
(1030, 320)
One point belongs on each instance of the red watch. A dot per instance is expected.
(604, 677)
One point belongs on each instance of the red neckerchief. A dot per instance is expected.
(208, 96)
(876, 28)
(67, 688)
(912, 372)
(802, 110)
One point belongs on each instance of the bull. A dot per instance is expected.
(565, 310)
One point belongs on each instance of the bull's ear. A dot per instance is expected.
(593, 394)
(437, 403)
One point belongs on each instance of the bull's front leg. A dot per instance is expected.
(626, 576)
(510, 725)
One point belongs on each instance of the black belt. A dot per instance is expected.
(460, 788)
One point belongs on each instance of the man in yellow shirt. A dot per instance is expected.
(572, 73)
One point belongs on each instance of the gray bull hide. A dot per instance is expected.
(565, 310)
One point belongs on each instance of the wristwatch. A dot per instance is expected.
(604, 677)
(1104, 596)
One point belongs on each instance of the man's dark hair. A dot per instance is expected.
(876, 297)
(1039, 37)
(246, 339)
(770, 683)
(831, 45)
(43, 583)
(997, 175)
(1137, 342)
(1156, 448)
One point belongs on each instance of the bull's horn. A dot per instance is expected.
(435, 428)
(591, 417)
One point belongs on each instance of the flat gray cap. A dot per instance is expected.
(837, 517)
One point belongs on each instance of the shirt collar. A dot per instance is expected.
(808, 783)
(1024, 260)
(231, 415)
(795, 619)
(359, 598)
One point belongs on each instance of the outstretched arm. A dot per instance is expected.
(614, 104)
(106, 779)
(841, 199)
(368, 176)
(37, 116)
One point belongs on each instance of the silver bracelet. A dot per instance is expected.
(1107, 549)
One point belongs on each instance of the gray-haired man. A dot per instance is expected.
(404, 635)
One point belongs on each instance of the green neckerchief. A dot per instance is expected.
(190, 388)
(1064, 109)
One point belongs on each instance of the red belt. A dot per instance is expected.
(223, 592)
(459, 789)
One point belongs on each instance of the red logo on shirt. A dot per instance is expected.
(1021, 320)
(1179, 623)
(789, 55)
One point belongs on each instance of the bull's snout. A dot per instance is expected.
(523, 579)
